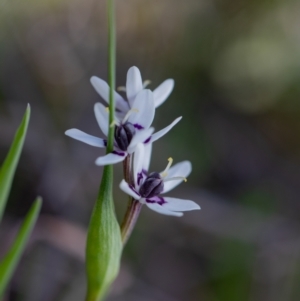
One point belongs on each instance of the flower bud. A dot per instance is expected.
(152, 186)
(124, 134)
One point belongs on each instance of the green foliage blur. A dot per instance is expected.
(12, 257)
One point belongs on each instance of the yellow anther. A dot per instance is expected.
(185, 180)
(146, 83)
(113, 124)
(107, 109)
(122, 88)
(165, 172)
(169, 164)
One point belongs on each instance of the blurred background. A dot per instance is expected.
(236, 65)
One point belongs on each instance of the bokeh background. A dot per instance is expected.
(236, 65)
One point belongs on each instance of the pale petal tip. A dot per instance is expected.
(134, 68)
(134, 72)
(189, 167)
(93, 80)
(171, 82)
(96, 81)
(122, 184)
(98, 162)
(192, 206)
(97, 104)
(197, 207)
(67, 132)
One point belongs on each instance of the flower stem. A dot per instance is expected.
(111, 71)
(130, 219)
(104, 244)
(133, 208)
(127, 169)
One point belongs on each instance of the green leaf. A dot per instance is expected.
(9, 166)
(104, 244)
(11, 259)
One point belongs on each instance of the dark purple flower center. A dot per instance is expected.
(152, 186)
(124, 134)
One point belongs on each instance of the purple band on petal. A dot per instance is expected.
(145, 172)
(133, 189)
(105, 142)
(147, 140)
(139, 177)
(157, 199)
(118, 153)
(138, 126)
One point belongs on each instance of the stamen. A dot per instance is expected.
(107, 109)
(146, 83)
(129, 113)
(176, 178)
(114, 123)
(121, 89)
(165, 172)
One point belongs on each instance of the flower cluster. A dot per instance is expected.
(133, 137)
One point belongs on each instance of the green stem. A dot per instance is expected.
(104, 246)
(111, 71)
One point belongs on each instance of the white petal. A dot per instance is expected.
(102, 89)
(182, 169)
(102, 117)
(128, 189)
(147, 156)
(162, 92)
(111, 158)
(144, 103)
(139, 137)
(86, 138)
(134, 84)
(174, 204)
(138, 163)
(160, 209)
(164, 131)
(120, 115)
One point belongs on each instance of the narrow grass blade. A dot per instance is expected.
(11, 259)
(9, 166)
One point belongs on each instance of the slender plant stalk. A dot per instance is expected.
(127, 169)
(104, 245)
(111, 71)
(134, 207)
(131, 216)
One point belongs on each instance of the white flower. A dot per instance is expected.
(133, 129)
(148, 187)
(134, 85)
